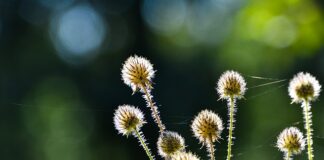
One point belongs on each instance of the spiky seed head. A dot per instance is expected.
(170, 143)
(291, 140)
(184, 156)
(304, 87)
(137, 72)
(231, 84)
(207, 126)
(127, 119)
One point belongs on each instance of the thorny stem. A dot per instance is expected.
(211, 150)
(288, 155)
(308, 127)
(153, 109)
(230, 132)
(142, 141)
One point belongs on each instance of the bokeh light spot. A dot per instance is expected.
(165, 17)
(280, 32)
(78, 32)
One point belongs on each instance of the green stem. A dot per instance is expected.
(142, 141)
(288, 154)
(308, 127)
(230, 132)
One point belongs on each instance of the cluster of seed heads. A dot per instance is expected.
(207, 126)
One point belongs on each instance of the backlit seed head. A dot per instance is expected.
(304, 87)
(291, 140)
(231, 84)
(127, 119)
(207, 126)
(137, 72)
(184, 156)
(170, 143)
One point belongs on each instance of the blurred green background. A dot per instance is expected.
(60, 80)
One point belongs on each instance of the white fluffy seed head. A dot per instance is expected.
(231, 84)
(127, 119)
(137, 72)
(207, 126)
(291, 140)
(185, 156)
(170, 143)
(304, 87)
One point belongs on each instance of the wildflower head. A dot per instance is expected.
(207, 126)
(184, 156)
(170, 143)
(127, 119)
(137, 72)
(231, 85)
(304, 87)
(291, 140)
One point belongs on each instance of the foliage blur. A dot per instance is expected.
(60, 77)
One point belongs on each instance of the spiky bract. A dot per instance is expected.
(304, 87)
(231, 84)
(137, 72)
(291, 140)
(170, 143)
(207, 126)
(127, 119)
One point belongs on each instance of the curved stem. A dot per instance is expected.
(308, 127)
(230, 131)
(142, 141)
(211, 150)
(155, 113)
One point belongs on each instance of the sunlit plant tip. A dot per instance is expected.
(137, 72)
(304, 87)
(231, 85)
(170, 143)
(128, 119)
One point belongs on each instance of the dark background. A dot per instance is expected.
(60, 79)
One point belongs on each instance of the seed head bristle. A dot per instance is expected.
(207, 126)
(127, 119)
(231, 84)
(304, 87)
(137, 72)
(170, 143)
(185, 156)
(291, 140)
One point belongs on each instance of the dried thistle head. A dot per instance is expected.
(137, 72)
(304, 87)
(170, 143)
(127, 119)
(231, 84)
(184, 156)
(207, 126)
(291, 140)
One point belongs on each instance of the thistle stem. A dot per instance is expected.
(155, 113)
(288, 155)
(308, 127)
(211, 150)
(142, 141)
(230, 131)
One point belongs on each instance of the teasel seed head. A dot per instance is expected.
(304, 87)
(231, 84)
(170, 143)
(291, 140)
(185, 156)
(137, 72)
(127, 119)
(207, 126)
